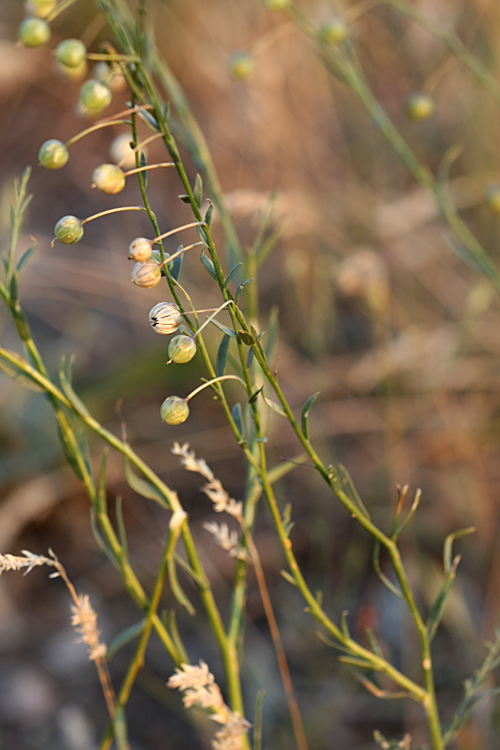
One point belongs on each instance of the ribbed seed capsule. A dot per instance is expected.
(34, 32)
(182, 349)
(165, 317)
(174, 410)
(141, 250)
(146, 275)
(71, 52)
(109, 179)
(68, 230)
(94, 97)
(53, 154)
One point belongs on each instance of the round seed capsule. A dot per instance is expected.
(53, 154)
(141, 250)
(34, 32)
(94, 96)
(146, 275)
(174, 410)
(68, 230)
(109, 179)
(71, 52)
(182, 349)
(334, 30)
(419, 106)
(39, 8)
(493, 198)
(165, 317)
(241, 65)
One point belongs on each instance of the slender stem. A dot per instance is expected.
(97, 126)
(113, 211)
(148, 167)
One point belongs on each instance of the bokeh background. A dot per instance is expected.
(401, 338)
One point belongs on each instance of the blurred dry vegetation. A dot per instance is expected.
(376, 312)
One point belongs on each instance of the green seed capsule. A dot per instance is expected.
(241, 65)
(94, 97)
(34, 32)
(493, 198)
(71, 52)
(165, 317)
(182, 349)
(174, 410)
(141, 250)
(39, 8)
(334, 30)
(419, 106)
(146, 275)
(69, 230)
(53, 154)
(109, 179)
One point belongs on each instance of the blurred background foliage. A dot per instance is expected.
(376, 312)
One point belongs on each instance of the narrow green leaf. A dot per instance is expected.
(236, 414)
(143, 175)
(185, 198)
(175, 266)
(25, 258)
(351, 490)
(305, 414)
(228, 331)
(126, 636)
(232, 272)
(177, 590)
(250, 357)
(220, 367)
(14, 293)
(198, 191)
(207, 262)
(275, 407)
(100, 541)
(66, 386)
(208, 215)
(120, 522)
(286, 575)
(20, 377)
(149, 120)
(143, 487)
(102, 485)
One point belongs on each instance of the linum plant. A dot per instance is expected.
(152, 90)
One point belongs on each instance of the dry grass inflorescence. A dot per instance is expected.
(261, 248)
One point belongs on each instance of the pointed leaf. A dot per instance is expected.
(236, 414)
(275, 407)
(208, 215)
(65, 381)
(240, 288)
(143, 487)
(176, 265)
(305, 414)
(126, 636)
(198, 191)
(25, 258)
(228, 331)
(220, 367)
(185, 198)
(144, 175)
(253, 398)
(207, 262)
(232, 272)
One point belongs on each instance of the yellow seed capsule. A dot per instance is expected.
(165, 317)
(39, 8)
(493, 198)
(241, 65)
(174, 410)
(109, 179)
(146, 275)
(141, 250)
(182, 349)
(419, 106)
(334, 30)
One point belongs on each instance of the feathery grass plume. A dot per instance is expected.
(28, 561)
(200, 689)
(213, 489)
(226, 539)
(84, 621)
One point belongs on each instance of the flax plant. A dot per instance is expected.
(153, 90)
